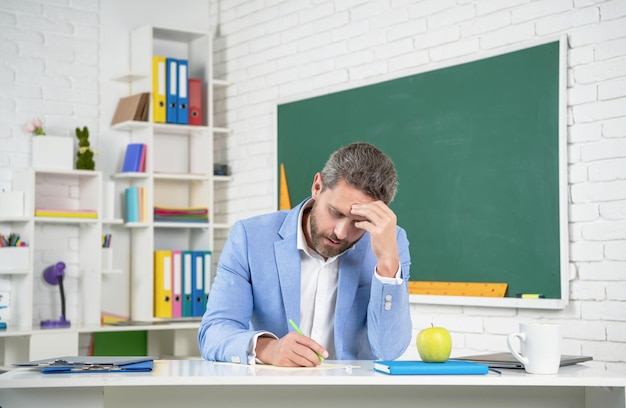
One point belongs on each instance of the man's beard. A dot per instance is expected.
(319, 243)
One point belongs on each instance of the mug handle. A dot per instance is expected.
(516, 354)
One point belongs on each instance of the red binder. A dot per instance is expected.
(195, 101)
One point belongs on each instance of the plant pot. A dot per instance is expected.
(53, 152)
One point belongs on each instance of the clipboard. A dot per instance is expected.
(90, 364)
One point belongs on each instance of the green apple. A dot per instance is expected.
(434, 344)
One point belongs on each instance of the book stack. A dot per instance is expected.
(169, 214)
(63, 213)
(136, 204)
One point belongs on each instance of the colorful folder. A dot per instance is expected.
(171, 85)
(177, 284)
(188, 272)
(163, 284)
(182, 100)
(158, 89)
(195, 101)
(208, 271)
(198, 284)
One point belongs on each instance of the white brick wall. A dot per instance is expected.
(48, 69)
(285, 50)
(325, 46)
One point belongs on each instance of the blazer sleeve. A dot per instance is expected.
(389, 323)
(224, 333)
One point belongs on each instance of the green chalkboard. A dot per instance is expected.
(476, 147)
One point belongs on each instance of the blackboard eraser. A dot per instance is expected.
(530, 296)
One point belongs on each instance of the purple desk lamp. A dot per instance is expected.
(53, 274)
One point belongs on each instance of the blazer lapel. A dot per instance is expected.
(287, 259)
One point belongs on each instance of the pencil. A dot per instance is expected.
(297, 329)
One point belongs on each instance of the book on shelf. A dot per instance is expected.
(136, 203)
(134, 158)
(64, 213)
(181, 214)
(134, 107)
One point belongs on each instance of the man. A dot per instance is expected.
(336, 264)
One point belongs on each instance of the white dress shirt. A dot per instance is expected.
(318, 290)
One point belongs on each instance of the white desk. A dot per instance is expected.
(194, 383)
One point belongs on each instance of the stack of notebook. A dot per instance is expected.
(168, 214)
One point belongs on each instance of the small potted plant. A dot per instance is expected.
(85, 152)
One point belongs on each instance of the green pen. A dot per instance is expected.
(297, 329)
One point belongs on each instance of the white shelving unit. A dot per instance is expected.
(52, 189)
(179, 159)
(179, 173)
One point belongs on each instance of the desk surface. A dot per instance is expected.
(199, 372)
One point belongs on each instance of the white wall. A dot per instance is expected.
(285, 50)
(56, 58)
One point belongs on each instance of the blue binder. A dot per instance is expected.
(197, 286)
(188, 274)
(208, 272)
(171, 94)
(182, 107)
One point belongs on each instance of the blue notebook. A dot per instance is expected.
(132, 157)
(450, 367)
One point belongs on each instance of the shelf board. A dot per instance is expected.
(221, 130)
(65, 220)
(221, 82)
(14, 219)
(186, 225)
(171, 34)
(171, 128)
(69, 172)
(179, 129)
(194, 323)
(137, 224)
(129, 175)
(181, 177)
(113, 221)
(223, 179)
(221, 226)
(129, 77)
(131, 125)
(13, 272)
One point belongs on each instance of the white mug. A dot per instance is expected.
(540, 347)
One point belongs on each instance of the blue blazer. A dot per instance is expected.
(257, 289)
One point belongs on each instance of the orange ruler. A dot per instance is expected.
(457, 288)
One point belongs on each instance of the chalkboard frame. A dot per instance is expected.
(512, 302)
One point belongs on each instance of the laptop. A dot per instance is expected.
(507, 360)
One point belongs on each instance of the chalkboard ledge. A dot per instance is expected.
(506, 302)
